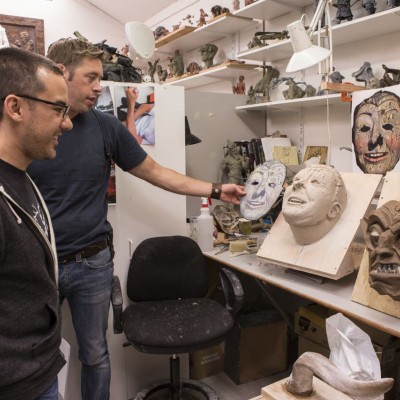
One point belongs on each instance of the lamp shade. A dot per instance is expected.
(140, 39)
(305, 53)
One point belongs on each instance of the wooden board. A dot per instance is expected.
(322, 391)
(362, 292)
(174, 35)
(331, 256)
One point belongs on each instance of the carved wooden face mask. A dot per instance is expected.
(376, 133)
(382, 238)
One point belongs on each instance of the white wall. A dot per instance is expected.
(63, 17)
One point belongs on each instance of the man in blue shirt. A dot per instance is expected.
(74, 186)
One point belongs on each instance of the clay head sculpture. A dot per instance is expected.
(382, 237)
(208, 51)
(263, 188)
(376, 133)
(314, 202)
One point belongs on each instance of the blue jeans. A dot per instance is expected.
(51, 393)
(87, 286)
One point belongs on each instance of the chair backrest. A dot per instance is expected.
(165, 268)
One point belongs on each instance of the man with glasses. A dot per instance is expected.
(33, 115)
(74, 187)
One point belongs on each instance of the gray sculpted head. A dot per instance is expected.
(314, 202)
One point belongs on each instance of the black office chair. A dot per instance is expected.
(169, 314)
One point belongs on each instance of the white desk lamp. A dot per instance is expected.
(305, 53)
(140, 39)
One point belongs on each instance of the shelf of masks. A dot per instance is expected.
(381, 23)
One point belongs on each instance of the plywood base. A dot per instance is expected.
(362, 292)
(331, 256)
(322, 391)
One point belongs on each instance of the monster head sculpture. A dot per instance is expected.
(382, 237)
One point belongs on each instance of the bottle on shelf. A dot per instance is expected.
(205, 227)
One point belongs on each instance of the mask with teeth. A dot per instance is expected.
(382, 237)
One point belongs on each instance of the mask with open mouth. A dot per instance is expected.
(382, 237)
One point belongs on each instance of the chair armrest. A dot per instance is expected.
(117, 303)
(232, 289)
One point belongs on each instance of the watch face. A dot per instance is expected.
(263, 187)
(146, 78)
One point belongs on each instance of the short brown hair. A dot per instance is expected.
(70, 52)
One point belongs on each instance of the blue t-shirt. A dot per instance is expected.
(74, 184)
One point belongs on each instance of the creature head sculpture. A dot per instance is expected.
(382, 237)
(376, 133)
(263, 187)
(314, 202)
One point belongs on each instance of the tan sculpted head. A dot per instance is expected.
(314, 202)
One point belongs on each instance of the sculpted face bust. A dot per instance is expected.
(314, 202)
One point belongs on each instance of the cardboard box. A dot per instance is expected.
(305, 345)
(207, 362)
(310, 323)
(256, 347)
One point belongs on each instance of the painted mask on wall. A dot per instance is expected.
(376, 133)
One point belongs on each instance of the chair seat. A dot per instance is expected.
(175, 326)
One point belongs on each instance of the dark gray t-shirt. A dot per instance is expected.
(74, 184)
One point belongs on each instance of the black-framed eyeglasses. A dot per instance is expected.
(65, 109)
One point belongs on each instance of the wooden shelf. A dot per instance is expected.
(295, 104)
(226, 71)
(269, 9)
(189, 39)
(358, 29)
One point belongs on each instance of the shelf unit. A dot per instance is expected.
(214, 74)
(219, 28)
(358, 29)
(295, 104)
(270, 9)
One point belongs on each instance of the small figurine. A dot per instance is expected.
(188, 18)
(218, 10)
(233, 164)
(240, 87)
(193, 68)
(251, 96)
(235, 5)
(202, 19)
(208, 52)
(262, 87)
(364, 74)
(176, 26)
(393, 3)
(159, 32)
(176, 65)
(125, 51)
(343, 10)
(388, 80)
(370, 6)
(294, 91)
(152, 69)
(161, 73)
